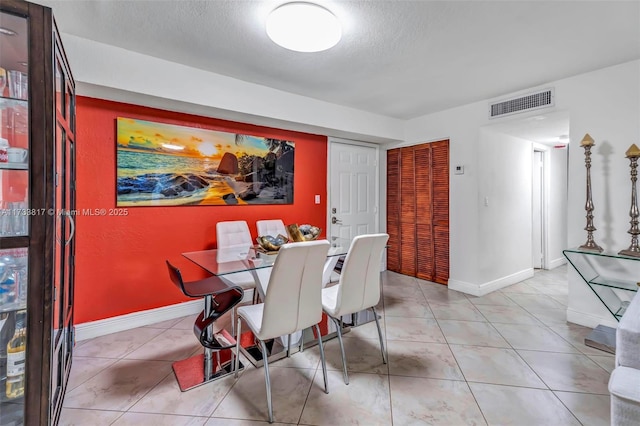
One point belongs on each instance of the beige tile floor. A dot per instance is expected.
(508, 358)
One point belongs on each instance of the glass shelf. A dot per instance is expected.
(615, 283)
(19, 104)
(14, 166)
(12, 307)
(613, 278)
(599, 254)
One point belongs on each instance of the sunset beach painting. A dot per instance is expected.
(169, 165)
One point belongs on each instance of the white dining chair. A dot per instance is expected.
(292, 303)
(235, 235)
(273, 227)
(358, 288)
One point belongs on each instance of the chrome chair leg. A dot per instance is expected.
(267, 380)
(384, 355)
(344, 358)
(232, 360)
(324, 364)
(237, 366)
(208, 353)
(233, 321)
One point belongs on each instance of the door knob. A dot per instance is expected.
(336, 221)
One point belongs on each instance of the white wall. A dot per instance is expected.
(603, 103)
(505, 215)
(557, 202)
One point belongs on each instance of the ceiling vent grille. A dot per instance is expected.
(543, 99)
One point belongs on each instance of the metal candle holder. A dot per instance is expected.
(587, 142)
(634, 250)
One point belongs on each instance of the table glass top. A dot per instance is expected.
(246, 258)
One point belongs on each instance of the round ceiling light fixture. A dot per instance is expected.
(303, 27)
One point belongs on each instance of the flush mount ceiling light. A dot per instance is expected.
(303, 27)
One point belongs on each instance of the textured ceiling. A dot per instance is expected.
(397, 58)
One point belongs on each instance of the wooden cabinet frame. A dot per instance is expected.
(50, 241)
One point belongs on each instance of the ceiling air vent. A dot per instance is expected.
(524, 103)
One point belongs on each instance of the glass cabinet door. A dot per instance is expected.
(15, 215)
(64, 242)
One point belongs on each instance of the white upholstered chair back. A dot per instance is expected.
(359, 285)
(271, 227)
(233, 233)
(234, 236)
(294, 295)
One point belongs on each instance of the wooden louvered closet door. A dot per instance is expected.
(407, 213)
(418, 211)
(440, 173)
(393, 209)
(424, 220)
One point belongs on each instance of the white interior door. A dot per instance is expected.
(538, 209)
(353, 189)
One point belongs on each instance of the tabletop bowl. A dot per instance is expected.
(270, 243)
(310, 232)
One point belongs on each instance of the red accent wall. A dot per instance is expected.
(120, 260)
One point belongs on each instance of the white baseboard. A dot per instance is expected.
(557, 262)
(589, 320)
(89, 330)
(463, 287)
(488, 287)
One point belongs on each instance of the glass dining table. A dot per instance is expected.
(232, 260)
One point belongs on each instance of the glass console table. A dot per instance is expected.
(614, 279)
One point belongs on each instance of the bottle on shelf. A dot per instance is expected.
(5, 220)
(4, 145)
(18, 218)
(3, 81)
(21, 279)
(6, 332)
(16, 358)
(8, 290)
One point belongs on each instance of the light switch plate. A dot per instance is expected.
(317, 199)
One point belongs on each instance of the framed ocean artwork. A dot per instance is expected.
(169, 165)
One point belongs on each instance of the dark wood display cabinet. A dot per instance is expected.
(37, 202)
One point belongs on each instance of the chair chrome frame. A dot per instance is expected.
(219, 297)
(361, 277)
(338, 325)
(304, 260)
